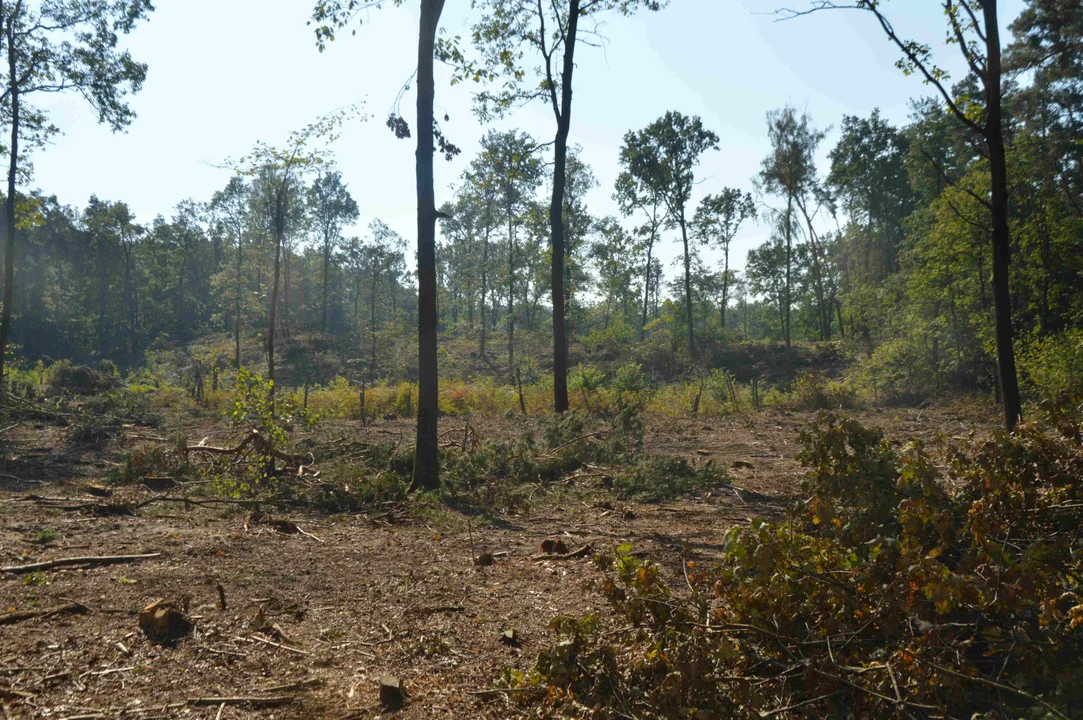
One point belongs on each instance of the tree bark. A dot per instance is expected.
(9, 204)
(647, 285)
(994, 138)
(323, 290)
(279, 223)
(237, 306)
(688, 286)
(556, 214)
(511, 286)
(426, 460)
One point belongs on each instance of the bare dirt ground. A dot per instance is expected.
(390, 592)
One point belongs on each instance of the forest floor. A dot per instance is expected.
(354, 597)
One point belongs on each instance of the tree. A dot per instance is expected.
(979, 42)
(332, 207)
(632, 194)
(662, 157)
(514, 170)
(63, 45)
(280, 173)
(229, 207)
(717, 220)
(334, 14)
(789, 171)
(614, 258)
(550, 29)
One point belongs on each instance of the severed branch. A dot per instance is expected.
(92, 560)
(242, 700)
(581, 552)
(18, 616)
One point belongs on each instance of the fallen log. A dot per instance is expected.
(20, 615)
(91, 560)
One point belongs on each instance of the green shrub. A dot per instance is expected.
(144, 461)
(1052, 366)
(79, 379)
(654, 478)
(890, 594)
(815, 391)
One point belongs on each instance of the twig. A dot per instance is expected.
(997, 685)
(100, 560)
(803, 703)
(558, 448)
(243, 700)
(279, 645)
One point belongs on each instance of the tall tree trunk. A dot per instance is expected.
(511, 288)
(484, 282)
(688, 285)
(725, 285)
(556, 214)
(426, 460)
(786, 291)
(237, 308)
(9, 204)
(647, 285)
(998, 169)
(279, 222)
(323, 299)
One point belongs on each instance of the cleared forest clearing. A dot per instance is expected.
(319, 606)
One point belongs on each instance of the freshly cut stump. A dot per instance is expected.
(392, 692)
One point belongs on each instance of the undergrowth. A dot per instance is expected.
(897, 590)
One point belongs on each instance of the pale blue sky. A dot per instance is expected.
(226, 73)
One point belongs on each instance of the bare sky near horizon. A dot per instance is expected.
(224, 74)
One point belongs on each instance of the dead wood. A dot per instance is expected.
(60, 562)
(581, 552)
(20, 615)
(242, 700)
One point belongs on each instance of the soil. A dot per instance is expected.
(353, 597)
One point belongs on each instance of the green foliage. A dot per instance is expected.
(889, 590)
(144, 461)
(815, 391)
(79, 379)
(655, 478)
(1052, 366)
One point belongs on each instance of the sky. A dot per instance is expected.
(224, 74)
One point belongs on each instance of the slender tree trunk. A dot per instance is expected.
(237, 307)
(786, 290)
(556, 214)
(725, 285)
(484, 282)
(426, 460)
(279, 221)
(326, 265)
(647, 285)
(372, 321)
(129, 299)
(998, 169)
(688, 285)
(9, 204)
(511, 288)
